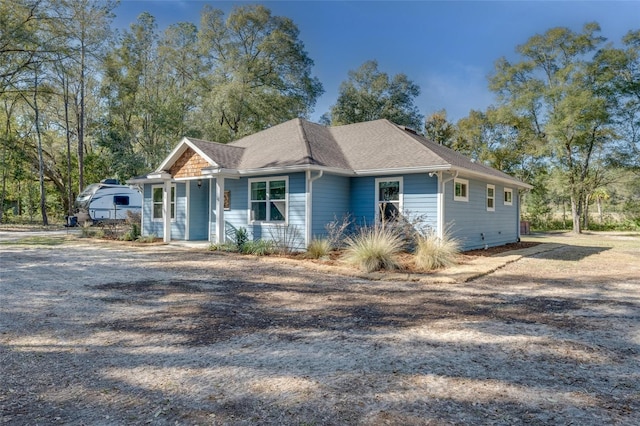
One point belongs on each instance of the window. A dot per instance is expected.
(508, 197)
(460, 190)
(388, 198)
(491, 198)
(227, 200)
(120, 200)
(268, 199)
(156, 192)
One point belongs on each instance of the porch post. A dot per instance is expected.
(220, 210)
(440, 221)
(166, 210)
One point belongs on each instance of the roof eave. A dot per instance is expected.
(485, 176)
(402, 170)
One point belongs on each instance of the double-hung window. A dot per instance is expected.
(508, 197)
(157, 192)
(460, 190)
(491, 198)
(268, 199)
(388, 198)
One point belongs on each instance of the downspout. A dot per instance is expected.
(441, 187)
(309, 206)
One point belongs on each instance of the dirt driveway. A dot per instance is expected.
(106, 334)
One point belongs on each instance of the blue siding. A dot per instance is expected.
(198, 210)
(476, 227)
(238, 215)
(149, 227)
(363, 200)
(420, 198)
(178, 226)
(330, 202)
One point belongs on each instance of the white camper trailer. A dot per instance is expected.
(106, 201)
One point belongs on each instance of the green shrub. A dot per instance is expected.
(319, 248)
(259, 247)
(241, 237)
(229, 247)
(148, 239)
(372, 249)
(433, 252)
(87, 231)
(133, 233)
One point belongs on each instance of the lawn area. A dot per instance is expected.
(97, 333)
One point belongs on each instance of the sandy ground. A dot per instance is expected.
(107, 334)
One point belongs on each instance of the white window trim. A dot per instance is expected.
(286, 200)
(175, 203)
(377, 194)
(493, 198)
(463, 182)
(510, 191)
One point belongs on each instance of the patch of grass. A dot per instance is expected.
(147, 239)
(229, 247)
(433, 252)
(259, 247)
(36, 241)
(319, 248)
(373, 249)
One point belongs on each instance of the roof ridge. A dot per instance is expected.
(213, 142)
(305, 140)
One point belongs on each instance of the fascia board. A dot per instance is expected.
(487, 177)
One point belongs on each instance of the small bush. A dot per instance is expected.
(259, 247)
(229, 247)
(338, 230)
(285, 239)
(433, 252)
(373, 249)
(319, 248)
(241, 237)
(148, 239)
(87, 231)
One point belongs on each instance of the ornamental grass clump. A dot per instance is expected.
(319, 248)
(433, 252)
(373, 249)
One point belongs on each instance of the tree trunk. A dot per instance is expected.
(599, 204)
(43, 194)
(575, 214)
(4, 177)
(68, 135)
(81, 116)
(585, 218)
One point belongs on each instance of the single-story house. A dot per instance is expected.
(291, 180)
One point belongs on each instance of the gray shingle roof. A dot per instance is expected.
(225, 156)
(354, 148)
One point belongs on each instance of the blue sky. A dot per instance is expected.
(447, 47)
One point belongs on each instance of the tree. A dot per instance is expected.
(554, 92)
(618, 71)
(438, 129)
(261, 74)
(369, 94)
(86, 27)
(18, 40)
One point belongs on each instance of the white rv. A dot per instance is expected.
(105, 202)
